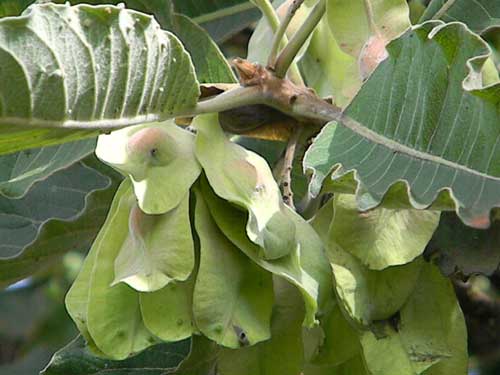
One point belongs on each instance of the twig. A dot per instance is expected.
(293, 47)
(285, 177)
(272, 18)
(278, 36)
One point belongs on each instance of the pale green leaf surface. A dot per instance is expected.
(306, 270)
(159, 158)
(340, 343)
(366, 295)
(77, 299)
(155, 249)
(245, 179)
(330, 71)
(387, 354)
(18, 172)
(135, 72)
(233, 298)
(426, 121)
(62, 213)
(369, 295)
(283, 353)
(113, 312)
(167, 313)
(383, 237)
(479, 15)
(354, 366)
(354, 22)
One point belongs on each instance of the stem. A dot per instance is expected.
(440, 13)
(291, 50)
(224, 12)
(272, 18)
(231, 99)
(278, 36)
(285, 179)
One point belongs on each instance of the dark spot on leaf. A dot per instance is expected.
(154, 152)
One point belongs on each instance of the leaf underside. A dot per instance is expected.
(90, 67)
(428, 123)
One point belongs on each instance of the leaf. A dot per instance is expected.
(154, 249)
(221, 18)
(245, 179)
(210, 64)
(233, 298)
(431, 338)
(428, 125)
(13, 7)
(167, 313)
(18, 172)
(61, 213)
(307, 269)
(283, 353)
(382, 237)
(201, 359)
(160, 160)
(114, 319)
(458, 248)
(479, 15)
(354, 23)
(76, 359)
(151, 78)
(351, 367)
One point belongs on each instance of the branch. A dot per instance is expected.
(291, 50)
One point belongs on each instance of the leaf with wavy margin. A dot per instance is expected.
(423, 120)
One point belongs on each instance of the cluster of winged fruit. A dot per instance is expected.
(193, 238)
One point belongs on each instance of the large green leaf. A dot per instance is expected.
(210, 64)
(381, 238)
(245, 179)
(76, 359)
(479, 15)
(134, 71)
(425, 121)
(233, 297)
(18, 172)
(160, 160)
(61, 213)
